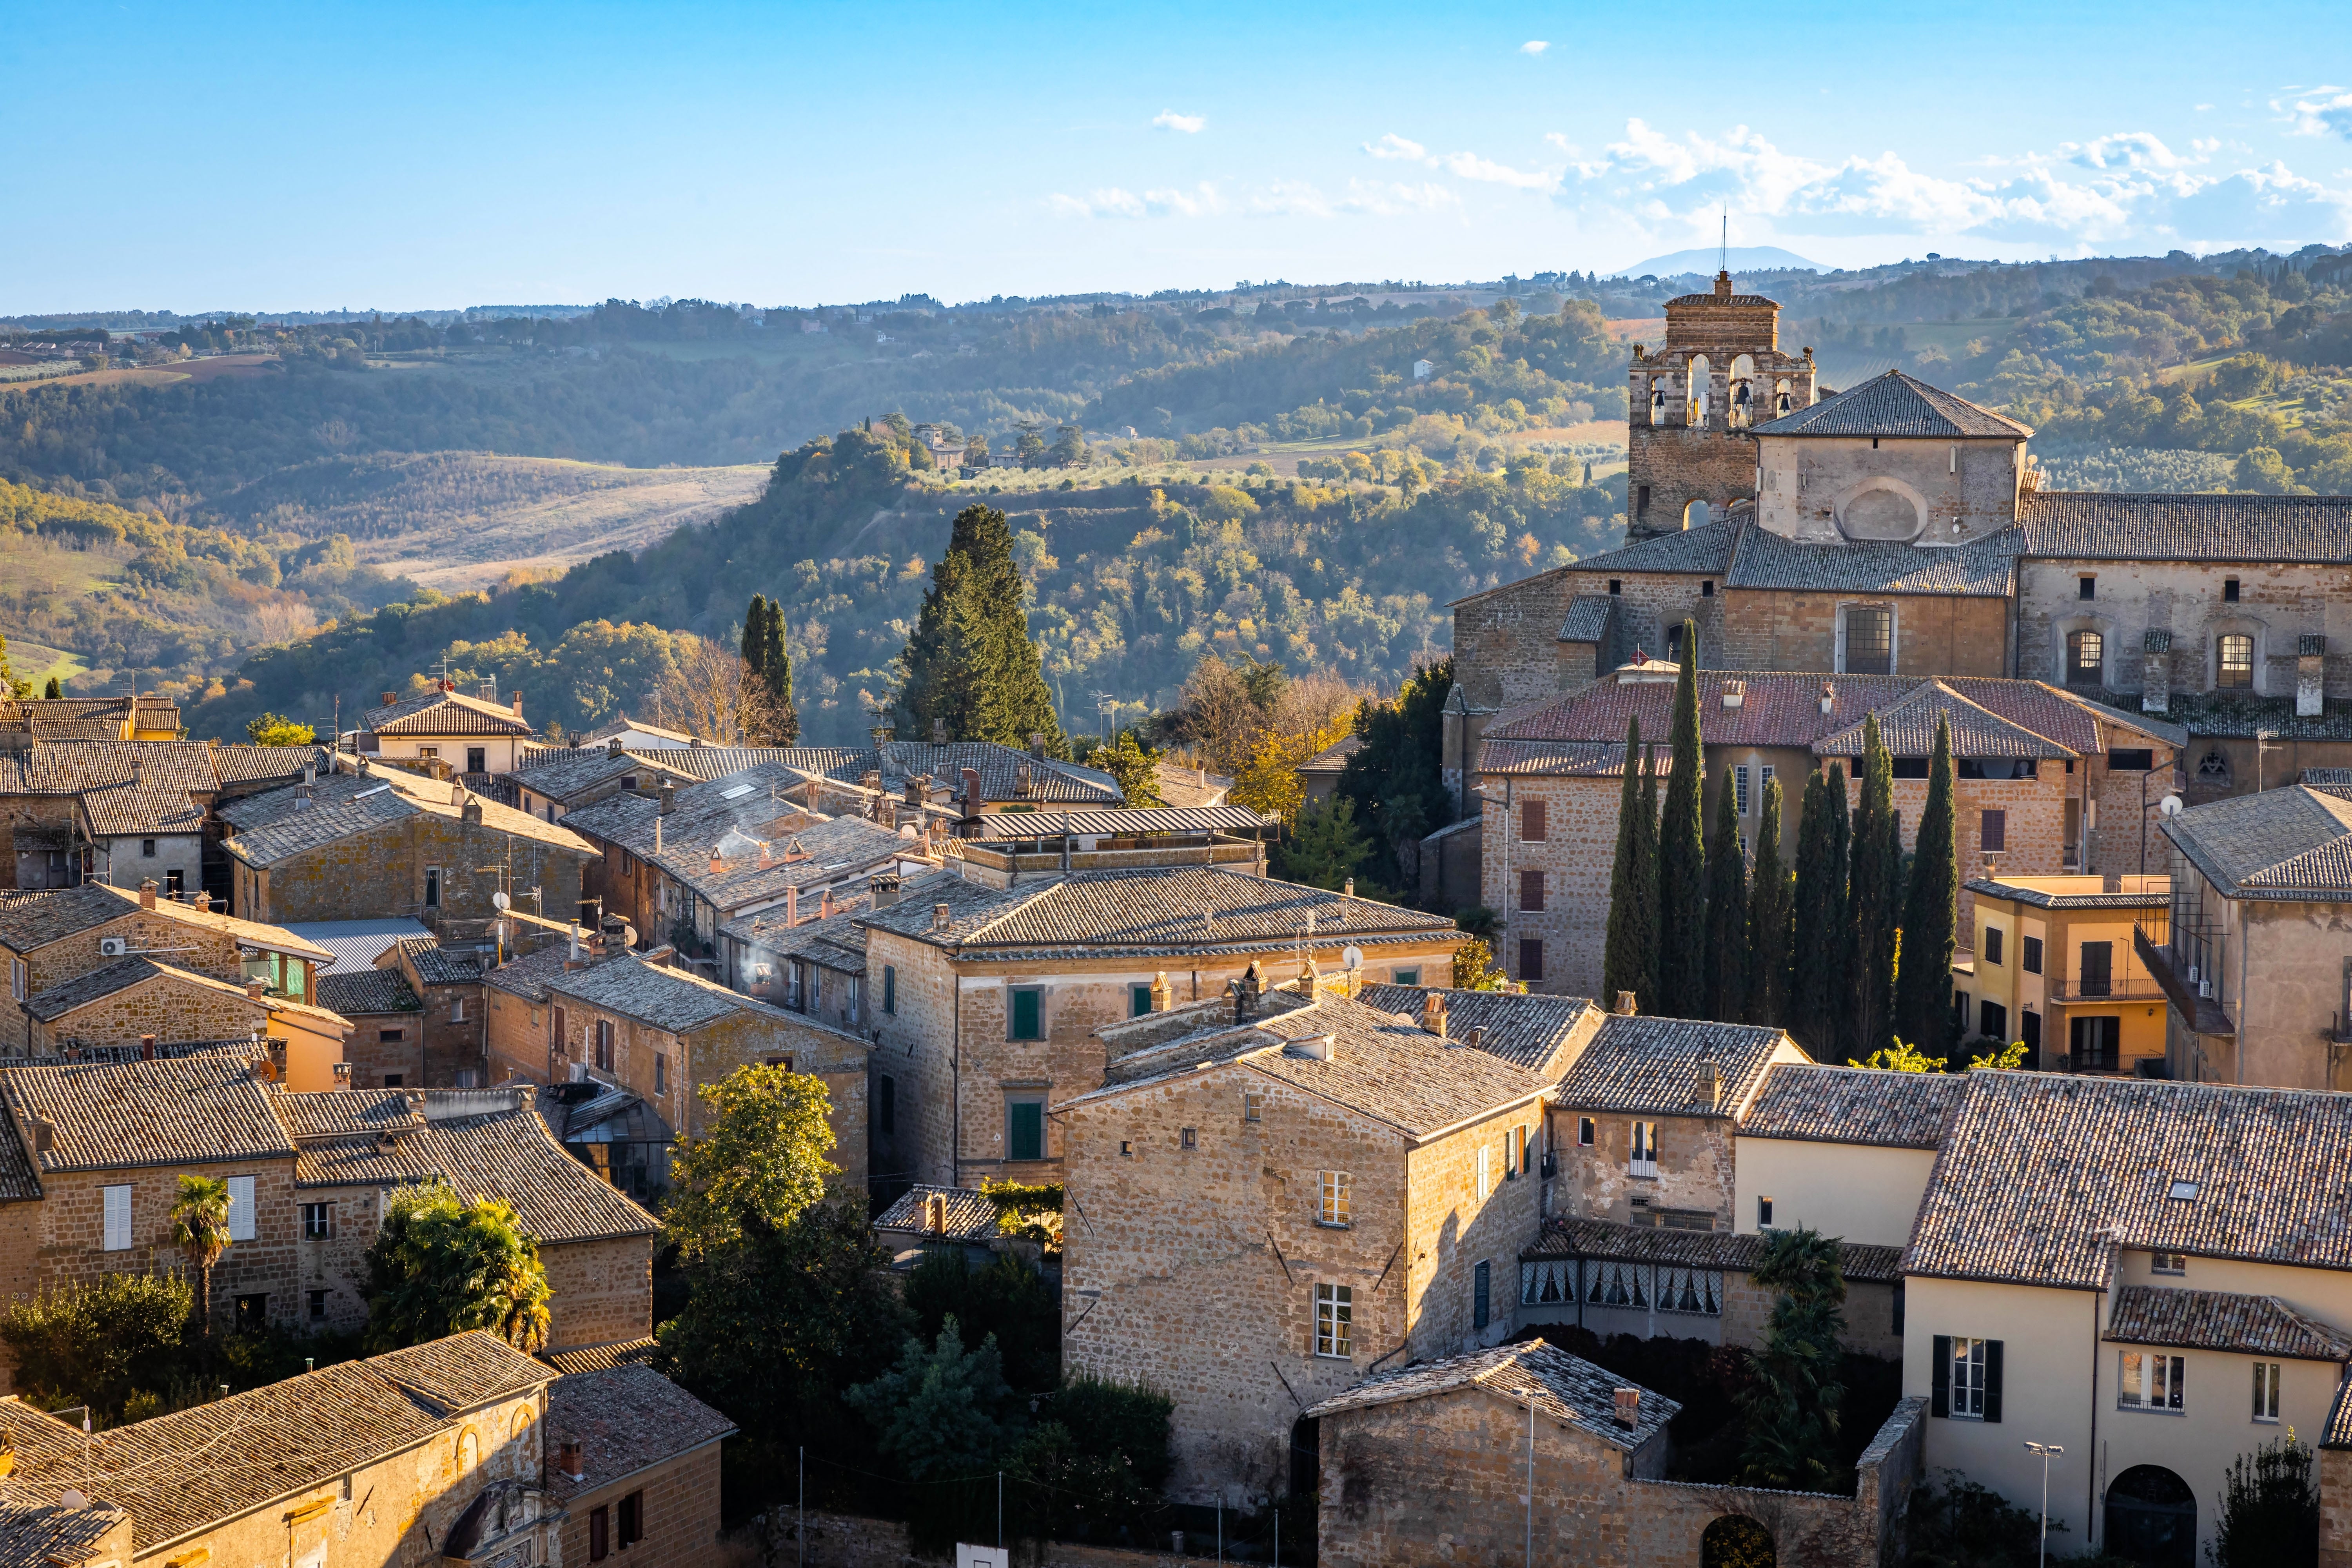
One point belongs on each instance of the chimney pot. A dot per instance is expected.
(1433, 1013)
(612, 747)
(146, 1047)
(668, 797)
(390, 697)
(766, 859)
(718, 864)
(1829, 695)
(1629, 1407)
(255, 987)
(971, 792)
(518, 704)
(939, 732)
(935, 1213)
(942, 916)
(1037, 746)
(147, 894)
(569, 1462)
(792, 906)
(1625, 1008)
(1710, 1085)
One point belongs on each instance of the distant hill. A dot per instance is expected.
(1709, 258)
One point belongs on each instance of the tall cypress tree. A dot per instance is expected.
(1646, 817)
(969, 662)
(1817, 968)
(1771, 913)
(1874, 898)
(1726, 909)
(1923, 980)
(1682, 856)
(767, 657)
(1627, 957)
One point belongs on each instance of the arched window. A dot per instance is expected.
(2233, 664)
(2086, 658)
(1742, 399)
(1781, 400)
(1702, 375)
(1657, 403)
(1697, 514)
(2214, 769)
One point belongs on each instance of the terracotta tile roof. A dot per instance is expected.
(970, 1215)
(1852, 1105)
(1567, 1389)
(2242, 716)
(1332, 758)
(2083, 525)
(250, 933)
(1704, 552)
(125, 787)
(45, 1536)
(2220, 1321)
(358, 993)
(97, 985)
(1983, 568)
(561, 773)
(85, 718)
(596, 1357)
(18, 1181)
(445, 713)
(1144, 912)
(241, 762)
(1895, 404)
(460, 1372)
(1638, 1063)
(1907, 729)
(2037, 1167)
(198, 1109)
(1573, 1236)
(1588, 618)
(1181, 786)
(1562, 759)
(735, 813)
(2292, 844)
(2339, 1416)
(38, 920)
(675, 1000)
(1528, 1031)
(625, 1418)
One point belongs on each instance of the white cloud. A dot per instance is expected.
(1395, 146)
(2324, 111)
(1534, 47)
(1189, 124)
(1116, 201)
(1470, 166)
(1562, 143)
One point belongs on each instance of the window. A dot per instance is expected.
(661, 1073)
(2131, 760)
(1584, 1128)
(1127, 1149)
(1515, 1152)
(1992, 831)
(784, 1062)
(429, 750)
(240, 1208)
(2229, 590)
(2086, 659)
(1763, 778)
(1482, 1294)
(1869, 641)
(1993, 938)
(252, 1313)
(317, 1221)
(2098, 968)
(1190, 1138)
(2095, 1042)
(2029, 1030)
(2148, 1381)
(2028, 956)
(117, 1204)
(1253, 1105)
(2266, 1376)
(1024, 1123)
(147, 850)
(1531, 891)
(1965, 1378)
(1486, 1173)
(1028, 1005)
(1739, 789)
(1992, 1021)
(885, 1104)
(19, 979)
(563, 1039)
(1898, 1324)
(478, 760)
(1706, 589)
(1617, 584)
(393, 1081)
(600, 1534)
(605, 1044)
(317, 1306)
(2233, 665)
(1404, 977)
(2214, 768)
(1531, 958)
(1334, 1209)
(1138, 1001)
(457, 1010)
(632, 1520)
(1335, 1306)
(2168, 1262)
(1763, 1213)
(1531, 822)
(2086, 587)
(431, 887)
(1643, 1158)
(890, 989)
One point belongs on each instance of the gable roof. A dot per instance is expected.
(2086, 525)
(838, 941)
(2292, 844)
(1567, 1390)
(971, 1216)
(250, 933)
(1815, 1103)
(242, 762)
(2039, 1170)
(1982, 568)
(356, 992)
(97, 985)
(1895, 404)
(35, 921)
(275, 825)
(674, 1000)
(445, 713)
(1907, 729)
(204, 1109)
(1705, 550)
(624, 1418)
(124, 786)
(2221, 1321)
(1332, 758)
(1528, 1030)
(1638, 1063)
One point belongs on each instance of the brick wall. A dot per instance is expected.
(679, 1513)
(165, 1005)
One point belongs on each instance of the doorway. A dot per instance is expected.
(2152, 1518)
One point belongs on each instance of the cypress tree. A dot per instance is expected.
(1626, 961)
(1682, 856)
(969, 662)
(1771, 912)
(1874, 898)
(1923, 981)
(1817, 968)
(1646, 821)
(778, 674)
(1726, 909)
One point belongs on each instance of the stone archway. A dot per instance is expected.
(2151, 1518)
(1736, 1541)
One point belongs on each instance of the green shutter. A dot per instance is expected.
(1025, 1015)
(1024, 1130)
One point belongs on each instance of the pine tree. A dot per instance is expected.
(1770, 915)
(1874, 898)
(1726, 909)
(1627, 957)
(1923, 981)
(1682, 856)
(969, 663)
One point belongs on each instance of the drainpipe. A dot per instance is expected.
(955, 1133)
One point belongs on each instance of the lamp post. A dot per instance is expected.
(2045, 1452)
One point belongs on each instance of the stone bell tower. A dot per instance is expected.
(1690, 406)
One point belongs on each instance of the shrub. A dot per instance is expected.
(2270, 1510)
(101, 1343)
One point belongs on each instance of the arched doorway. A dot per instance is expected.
(1735, 1541)
(2151, 1518)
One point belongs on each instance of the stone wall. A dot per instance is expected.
(2334, 1508)
(168, 1006)
(382, 872)
(602, 1290)
(1693, 1176)
(678, 1513)
(1676, 465)
(209, 949)
(1934, 635)
(849, 1540)
(1827, 489)
(374, 1058)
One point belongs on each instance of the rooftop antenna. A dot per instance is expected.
(1725, 255)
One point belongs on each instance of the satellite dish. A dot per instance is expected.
(2169, 805)
(499, 900)
(1353, 957)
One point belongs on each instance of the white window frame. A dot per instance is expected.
(1486, 1172)
(241, 1225)
(325, 1216)
(1334, 1312)
(2266, 1392)
(115, 1208)
(1641, 1149)
(19, 979)
(1968, 1378)
(1335, 1199)
(2150, 1382)
(1739, 789)
(2168, 1263)
(1764, 775)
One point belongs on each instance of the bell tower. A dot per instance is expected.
(1690, 406)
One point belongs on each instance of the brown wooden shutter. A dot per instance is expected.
(1532, 820)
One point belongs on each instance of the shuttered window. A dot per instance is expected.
(118, 1218)
(1532, 820)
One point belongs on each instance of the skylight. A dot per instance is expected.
(2183, 1192)
(737, 793)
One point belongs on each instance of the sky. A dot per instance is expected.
(195, 156)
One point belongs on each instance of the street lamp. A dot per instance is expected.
(2045, 1452)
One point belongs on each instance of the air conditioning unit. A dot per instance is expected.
(579, 1072)
(2192, 975)
(2205, 989)
(113, 946)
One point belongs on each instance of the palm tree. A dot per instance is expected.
(200, 1228)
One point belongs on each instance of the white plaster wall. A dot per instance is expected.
(1853, 1190)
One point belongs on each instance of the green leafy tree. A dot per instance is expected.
(1629, 950)
(1396, 776)
(1474, 968)
(10, 685)
(1874, 898)
(1727, 910)
(1682, 856)
(1096, 1459)
(1900, 1057)
(271, 730)
(103, 1343)
(1923, 982)
(762, 1152)
(1133, 765)
(1029, 449)
(1069, 447)
(1325, 847)
(1771, 917)
(2270, 1508)
(1002, 1301)
(943, 1410)
(969, 662)
(1791, 1403)
(200, 1230)
(442, 1264)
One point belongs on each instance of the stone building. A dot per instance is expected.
(56, 936)
(473, 738)
(452, 1045)
(136, 1002)
(386, 1048)
(986, 1001)
(646, 1481)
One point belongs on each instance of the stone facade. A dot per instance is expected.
(678, 1500)
(1931, 634)
(1690, 404)
(421, 866)
(169, 1006)
(1943, 490)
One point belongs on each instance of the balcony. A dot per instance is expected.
(2198, 1011)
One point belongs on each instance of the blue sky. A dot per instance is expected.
(194, 156)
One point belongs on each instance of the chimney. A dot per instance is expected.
(825, 905)
(147, 894)
(456, 792)
(1710, 1085)
(569, 1462)
(390, 697)
(1629, 1407)
(447, 685)
(792, 906)
(971, 792)
(718, 865)
(1162, 997)
(146, 1047)
(1347, 888)
(1625, 1008)
(261, 1069)
(1735, 693)
(915, 790)
(45, 1133)
(657, 822)
(668, 796)
(939, 732)
(1433, 1013)
(942, 916)
(304, 797)
(1477, 1038)
(612, 747)
(616, 936)
(935, 1213)
(1036, 745)
(1829, 695)
(471, 811)
(518, 704)
(309, 773)
(255, 989)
